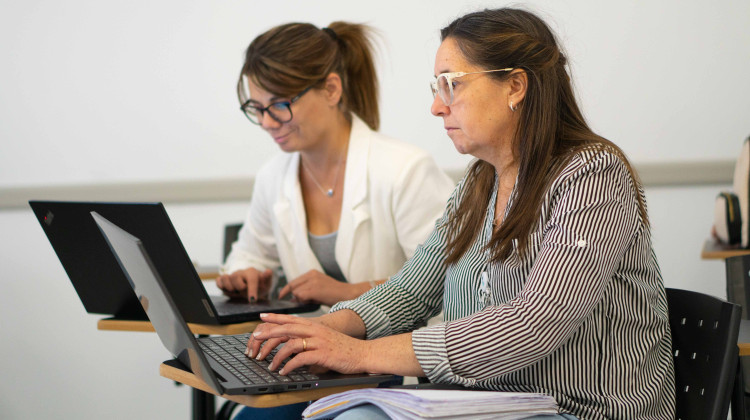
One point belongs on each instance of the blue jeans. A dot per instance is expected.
(291, 411)
(370, 412)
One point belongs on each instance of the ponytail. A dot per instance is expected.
(292, 57)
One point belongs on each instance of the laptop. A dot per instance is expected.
(101, 284)
(219, 361)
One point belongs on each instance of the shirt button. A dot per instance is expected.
(581, 243)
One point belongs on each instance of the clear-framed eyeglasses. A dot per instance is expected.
(443, 83)
(280, 111)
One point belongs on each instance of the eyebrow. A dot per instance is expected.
(273, 100)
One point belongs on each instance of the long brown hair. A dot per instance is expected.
(289, 58)
(551, 127)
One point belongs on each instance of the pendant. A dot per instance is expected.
(330, 192)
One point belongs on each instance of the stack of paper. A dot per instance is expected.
(436, 404)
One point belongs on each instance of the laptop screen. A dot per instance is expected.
(150, 291)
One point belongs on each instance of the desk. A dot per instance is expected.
(171, 371)
(207, 272)
(203, 404)
(713, 250)
(115, 324)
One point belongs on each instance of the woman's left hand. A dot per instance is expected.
(313, 343)
(315, 286)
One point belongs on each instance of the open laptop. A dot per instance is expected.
(219, 361)
(101, 284)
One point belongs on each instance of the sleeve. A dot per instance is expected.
(255, 246)
(419, 195)
(415, 294)
(592, 220)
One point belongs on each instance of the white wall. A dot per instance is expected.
(125, 91)
(98, 91)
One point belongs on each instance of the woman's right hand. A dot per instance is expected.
(308, 343)
(327, 342)
(345, 321)
(249, 284)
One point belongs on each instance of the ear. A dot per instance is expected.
(518, 82)
(333, 89)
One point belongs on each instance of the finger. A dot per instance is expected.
(283, 331)
(268, 347)
(252, 288)
(221, 283)
(303, 294)
(284, 319)
(293, 285)
(312, 291)
(233, 294)
(254, 344)
(291, 347)
(285, 291)
(259, 349)
(234, 283)
(225, 283)
(306, 358)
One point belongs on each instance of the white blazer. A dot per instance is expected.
(393, 193)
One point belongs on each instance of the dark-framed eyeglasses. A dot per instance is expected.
(280, 111)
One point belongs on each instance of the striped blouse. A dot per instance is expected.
(582, 315)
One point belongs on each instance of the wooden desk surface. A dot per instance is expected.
(207, 272)
(263, 400)
(713, 250)
(113, 324)
(743, 341)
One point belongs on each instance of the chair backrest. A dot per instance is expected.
(705, 352)
(231, 231)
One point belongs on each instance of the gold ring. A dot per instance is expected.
(304, 344)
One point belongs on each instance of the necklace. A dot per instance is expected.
(328, 192)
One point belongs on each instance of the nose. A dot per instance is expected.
(268, 122)
(438, 108)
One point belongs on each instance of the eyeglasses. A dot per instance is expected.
(280, 111)
(443, 84)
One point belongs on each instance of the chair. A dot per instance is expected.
(231, 232)
(705, 352)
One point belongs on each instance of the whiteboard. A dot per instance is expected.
(104, 92)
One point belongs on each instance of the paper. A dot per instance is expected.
(436, 404)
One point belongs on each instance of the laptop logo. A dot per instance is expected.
(208, 308)
(48, 218)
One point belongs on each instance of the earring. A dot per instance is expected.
(511, 106)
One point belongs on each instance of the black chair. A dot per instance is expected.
(705, 352)
(231, 232)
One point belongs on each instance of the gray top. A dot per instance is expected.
(324, 248)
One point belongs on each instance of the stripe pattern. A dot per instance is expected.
(582, 315)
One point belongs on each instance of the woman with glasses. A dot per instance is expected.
(345, 206)
(542, 262)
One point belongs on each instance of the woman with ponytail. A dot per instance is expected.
(344, 206)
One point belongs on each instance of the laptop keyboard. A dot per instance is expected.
(229, 351)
